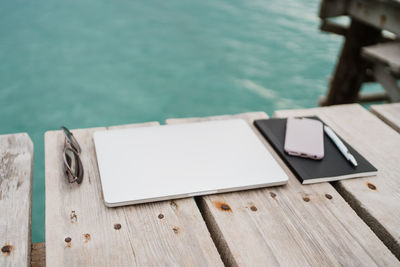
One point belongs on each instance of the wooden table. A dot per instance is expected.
(16, 171)
(288, 225)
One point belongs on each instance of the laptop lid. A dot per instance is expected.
(146, 164)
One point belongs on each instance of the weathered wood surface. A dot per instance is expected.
(82, 231)
(38, 255)
(16, 170)
(386, 69)
(375, 199)
(386, 53)
(380, 14)
(291, 225)
(388, 81)
(389, 113)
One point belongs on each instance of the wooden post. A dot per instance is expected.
(350, 69)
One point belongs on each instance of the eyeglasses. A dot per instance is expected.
(72, 161)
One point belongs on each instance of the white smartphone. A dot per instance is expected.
(304, 138)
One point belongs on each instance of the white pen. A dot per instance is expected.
(342, 148)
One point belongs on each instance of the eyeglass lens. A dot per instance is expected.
(72, 162)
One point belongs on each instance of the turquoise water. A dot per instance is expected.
(86, 63)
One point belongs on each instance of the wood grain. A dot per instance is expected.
(375, 199)
(16, 170)
(389, 113)
(82, 231)
(291, 225)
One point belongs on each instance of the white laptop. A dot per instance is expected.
(147, 164)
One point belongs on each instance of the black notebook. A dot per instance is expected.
(332, 167)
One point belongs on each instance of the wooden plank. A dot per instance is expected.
(380, 14)
(372, 97)
(389, 113)
(386, 53)
(375, 199)
(16, 170)
(291, 225)
(38, 258)
(81, 230)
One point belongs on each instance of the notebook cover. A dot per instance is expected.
(332, 167)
